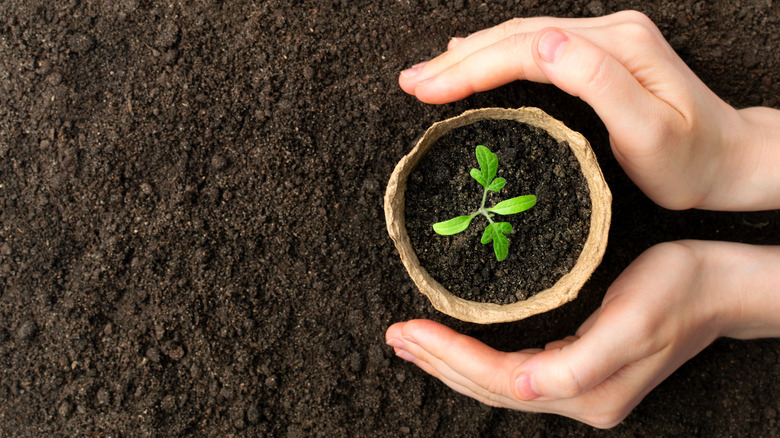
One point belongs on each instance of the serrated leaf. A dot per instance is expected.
(452, 226)
(497, 184)
(477, 175)
(488, 163)
(495, 233)
(504, 227)
(500, 246)
(487, 235)
(514, 205)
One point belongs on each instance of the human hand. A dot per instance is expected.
(667, 306)
(680, 143)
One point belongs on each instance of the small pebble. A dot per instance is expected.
(153, 354)
(27, 331)
(103, 396)
(253, 415)
(168, 403)
(64, 409)
(218, 162)
(195, 371)
(237, 414)
(168, 37)
(485, 273)
(54, 78)
(596, 8)
(81, 43)
(176, 353)
(43, 67)
(308, 73)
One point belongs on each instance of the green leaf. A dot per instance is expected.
(495, 233)
(452, 226)
(477, 175)
(514, 205)
(487, 235)
(501, 246)
(488, 163)
(504, 227)
(497, 184)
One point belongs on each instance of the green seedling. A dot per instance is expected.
(495, 231)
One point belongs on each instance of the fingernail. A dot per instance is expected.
(412, 72)
(405, 355)
(453, 42)
(396, 343)
(524, 387)
(551, 45)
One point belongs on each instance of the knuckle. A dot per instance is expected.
(642, 326)
(569, 384)
(516, 43)
(637, 33)
(677, 249)
(496, 393)
(596, 77)
(607, 419)
(637, 27)
(512, 26)
(645, 327)
(635, 17)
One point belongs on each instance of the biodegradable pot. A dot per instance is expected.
(568, 286)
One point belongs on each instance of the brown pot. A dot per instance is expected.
(568, 286)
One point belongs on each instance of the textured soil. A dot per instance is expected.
(545, 240)
(191, 229)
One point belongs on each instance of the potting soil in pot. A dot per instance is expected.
(546, 240)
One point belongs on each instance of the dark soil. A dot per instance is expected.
(191, 229)
(546, 240)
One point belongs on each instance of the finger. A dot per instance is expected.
(505, 61)
(604, 406)
(615, 339)
(560, 343)
(487, 37)
(582, 68)
(630, 325)
(588, 323)
(611, 401)
(442, 371)
(439, 370)
(462, 360)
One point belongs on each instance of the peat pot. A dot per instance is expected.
(554, 247)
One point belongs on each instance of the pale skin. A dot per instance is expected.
(685, 148)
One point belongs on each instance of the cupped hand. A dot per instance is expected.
(661, 311)
(673, 136)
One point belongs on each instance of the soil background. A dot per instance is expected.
(192, 239)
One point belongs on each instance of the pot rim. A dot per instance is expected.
(568, 286)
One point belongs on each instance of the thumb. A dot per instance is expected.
(581, 68)
(566, 369)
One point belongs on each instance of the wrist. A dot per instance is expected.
(740, 286)
(745, 178)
